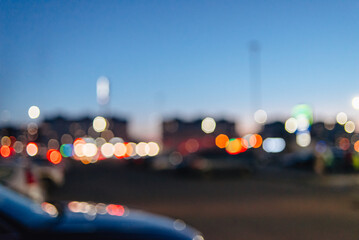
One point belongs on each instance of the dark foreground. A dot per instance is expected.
(270, 205)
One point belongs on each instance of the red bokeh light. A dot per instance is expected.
(117, 210)
(54, 156)
(5, 151)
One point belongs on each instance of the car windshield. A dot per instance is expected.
(24, 211)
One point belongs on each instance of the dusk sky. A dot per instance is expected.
(177, 58)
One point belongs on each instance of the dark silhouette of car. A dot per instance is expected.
(22, 218)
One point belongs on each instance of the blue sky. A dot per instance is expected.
(177, 58)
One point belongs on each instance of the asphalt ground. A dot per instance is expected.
(271, 204)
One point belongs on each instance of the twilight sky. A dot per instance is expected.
(177, 58)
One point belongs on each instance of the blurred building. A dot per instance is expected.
(60, 127)
(188, 136)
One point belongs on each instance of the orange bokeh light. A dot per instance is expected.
(255, 140)
(222, 141)
(235, 146)
(54, 156)
(356, 146)
(129, 150)
(5, 151)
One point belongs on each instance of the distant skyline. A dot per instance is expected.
(177, 58)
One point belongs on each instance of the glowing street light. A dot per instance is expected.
(34, 112)
(355, 103)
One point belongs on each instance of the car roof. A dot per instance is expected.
(22, 210)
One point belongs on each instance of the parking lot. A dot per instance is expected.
(267, 205)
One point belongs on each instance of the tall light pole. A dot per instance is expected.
(255, 76)
(103, 91)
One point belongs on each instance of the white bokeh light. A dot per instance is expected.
(34, 112)
(260, 116)
(99, 124)
(208, 125)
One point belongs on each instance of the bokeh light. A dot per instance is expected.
(103, 90)
(355, 103)
(117, 210)
(32, 128)
(49, 209)
(356, 146)
(291, 125)
(18, 147)
(344, 143)
(5, 141)
(99, 124)
(107, 150)
(90, 149)
(255, 140)
(260, 116)
(192, 145)
(120, 150)
(66, 150)
(342, 118)
(274, 145)
(66, 139)
(235, 146)
(303, 139)
(154, 149)
(208, 125)
(54, 156)
(142, 149)
(5, 151)
(222, 141)
(53, 144)
(32, 149)
(349, 126)
(34, 112)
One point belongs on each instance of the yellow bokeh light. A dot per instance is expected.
(99, 124)
(5, 141)
(349, 126)
(291, 125)
(342, 118)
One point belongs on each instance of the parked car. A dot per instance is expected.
(22, 219)
(215, 162)
(18, 174)
(48, 174)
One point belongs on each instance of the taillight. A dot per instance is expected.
(29, 176)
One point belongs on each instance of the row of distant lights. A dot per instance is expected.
(208, 124)
(92, 209)
(90, 148)
(84, 149)
(237, 145)
(301, 124)
(99, 208)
